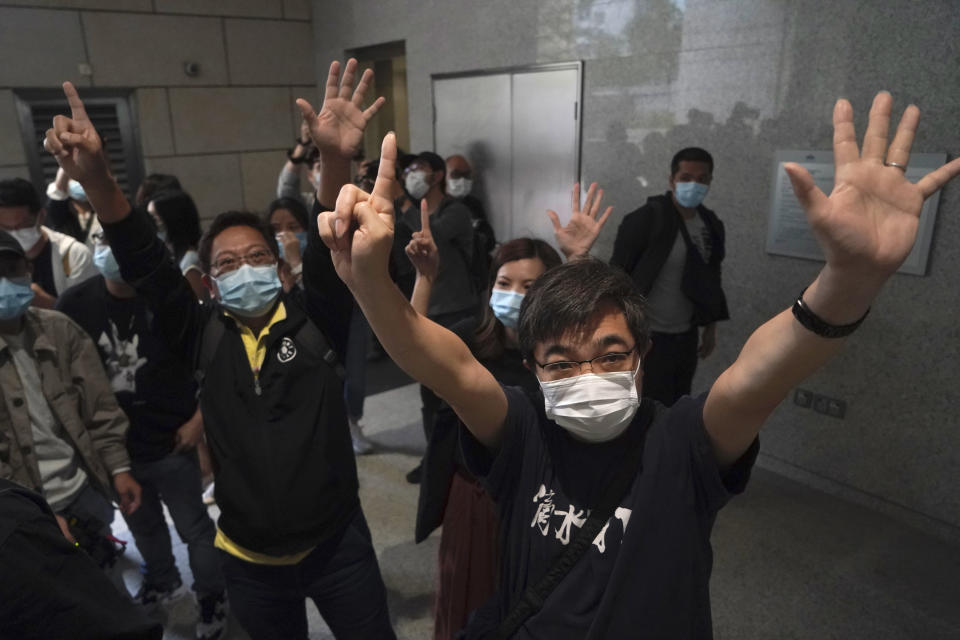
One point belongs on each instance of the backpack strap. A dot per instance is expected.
(536, 594)
(310, 336)
(209, 343)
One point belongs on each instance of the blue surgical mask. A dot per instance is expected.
(76, 191)
(15, 296)
(106, 264)
(249, 291)
(690, 194)
(301, 236)
(506, 306)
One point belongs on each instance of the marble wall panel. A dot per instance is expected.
(269, 52)
(156, 132)
(230, 119)
(238, 8)
(133, 50)
(11, 144)
(28, 58)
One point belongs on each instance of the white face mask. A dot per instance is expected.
(595, 407)
(416, 184)
(459, 187)
(28, 238)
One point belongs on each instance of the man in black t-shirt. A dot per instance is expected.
(157, 391)
(548, 459)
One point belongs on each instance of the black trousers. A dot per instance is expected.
(669, 366)
(341, 576)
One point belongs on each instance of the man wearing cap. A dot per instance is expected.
(62, 432)
(58, 261)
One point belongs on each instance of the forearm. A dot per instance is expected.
(422, 288)
(436, 358)
(334, 173)
(107, 199)
(778, 356)
(288, 184)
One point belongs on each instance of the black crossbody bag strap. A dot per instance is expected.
(536, 594)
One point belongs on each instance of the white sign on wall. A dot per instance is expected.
(789, 234)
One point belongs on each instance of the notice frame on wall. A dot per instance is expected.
(789, 233)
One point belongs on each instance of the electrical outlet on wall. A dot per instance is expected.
(833, 407)
(803, 398)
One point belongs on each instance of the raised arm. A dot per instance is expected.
(144, 260)
(360, 235)
(337, 131)
(577, 237)
(423, 253)
(866, 227)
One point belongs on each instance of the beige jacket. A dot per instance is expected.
(72, 261)
(79, 395)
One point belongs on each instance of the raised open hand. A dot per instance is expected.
(421, 249)
(338, 128)
(360, 231)
(868, 224)
(75, 143)
(584, 226)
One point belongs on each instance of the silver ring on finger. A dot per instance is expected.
(902, 167)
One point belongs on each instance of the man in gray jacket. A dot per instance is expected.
(62, 432)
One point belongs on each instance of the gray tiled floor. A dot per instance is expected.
(790, 562)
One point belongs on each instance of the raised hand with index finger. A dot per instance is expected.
(75, 143)
(422, 250)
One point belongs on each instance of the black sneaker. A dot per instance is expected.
(151, 595)
(213, 616)
(413, 476)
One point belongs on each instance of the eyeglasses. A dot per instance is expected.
(255, 258)
(607, 363)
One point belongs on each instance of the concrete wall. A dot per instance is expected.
(663, 74)
(223, 132)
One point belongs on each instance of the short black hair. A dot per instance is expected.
(229, 219)
(566, 298)
(156, 183)
(690, 154)
(294, 206)
(180, 217)
(435, 161)
(17, 192)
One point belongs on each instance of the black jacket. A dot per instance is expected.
(286, 475)
(644, 241)
(51, 589)
(163, 393)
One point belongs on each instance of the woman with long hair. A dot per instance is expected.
(178, 225)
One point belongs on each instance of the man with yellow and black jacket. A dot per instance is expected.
(291, 525)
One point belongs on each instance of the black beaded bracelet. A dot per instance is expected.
(300, 160)
(818, 325)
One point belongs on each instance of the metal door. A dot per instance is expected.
(520, 129)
